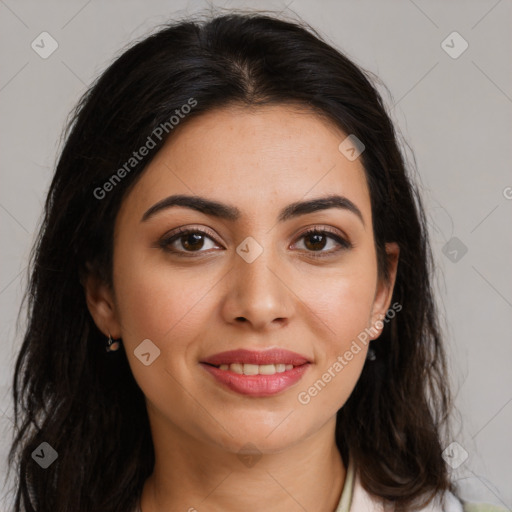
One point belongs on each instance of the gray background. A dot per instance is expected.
(456, 114)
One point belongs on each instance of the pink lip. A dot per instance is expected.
(257, 385)
(271, 356)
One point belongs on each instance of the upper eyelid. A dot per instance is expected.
(330, 231)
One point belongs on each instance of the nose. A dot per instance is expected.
(257, 292)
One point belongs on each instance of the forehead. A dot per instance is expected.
(253, 158)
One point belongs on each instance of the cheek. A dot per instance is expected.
(157, 303)
(351, 308)
(343, 302)
(166, 306)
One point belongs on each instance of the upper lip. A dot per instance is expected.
(259, 357)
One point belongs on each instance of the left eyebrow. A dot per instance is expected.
(232, 213)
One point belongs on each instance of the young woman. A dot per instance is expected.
(232, 218)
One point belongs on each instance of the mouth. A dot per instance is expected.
(257, 373)
(255, 369)
(270, 357)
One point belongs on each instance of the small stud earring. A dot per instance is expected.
(112, 345)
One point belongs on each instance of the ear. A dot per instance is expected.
(384, 291)
(100, 302)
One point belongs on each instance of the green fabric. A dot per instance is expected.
(483, 507)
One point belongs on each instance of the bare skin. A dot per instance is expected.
(258, 161)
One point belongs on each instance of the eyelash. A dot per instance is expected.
(165, 242)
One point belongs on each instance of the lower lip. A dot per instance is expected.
(257, 385)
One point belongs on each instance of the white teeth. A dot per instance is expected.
(237, 368)
(250, 369)
(267, 369)
(255, 369)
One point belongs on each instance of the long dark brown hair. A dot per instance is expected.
(85, 403)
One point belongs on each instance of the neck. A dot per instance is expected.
(193, 476)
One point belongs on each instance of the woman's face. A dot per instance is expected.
(249, 280)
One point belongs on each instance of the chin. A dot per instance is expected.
(273, 439)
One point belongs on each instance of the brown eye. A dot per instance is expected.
(316, 240)
(187, 241)
(192, 241)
